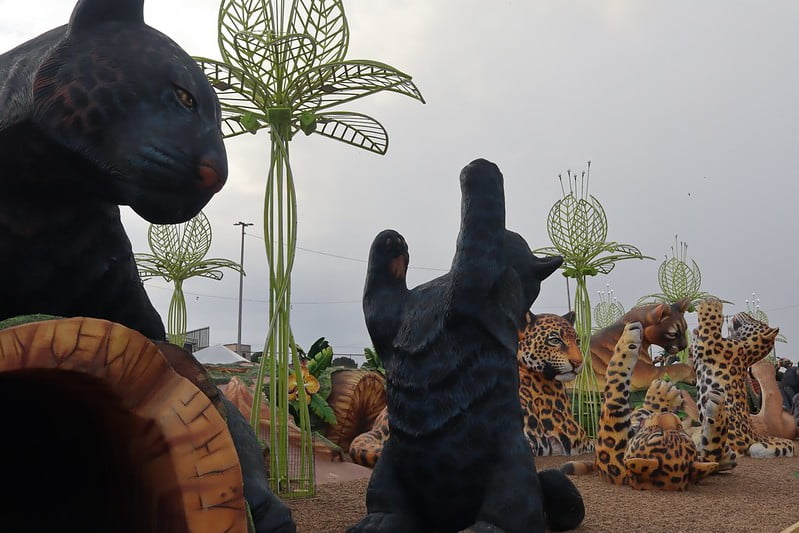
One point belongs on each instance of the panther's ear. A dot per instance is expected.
(88, 14)
(683, 304)
(659, 313)
(530, 318)
(571, 316)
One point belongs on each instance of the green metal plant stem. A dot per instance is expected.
(176, 319)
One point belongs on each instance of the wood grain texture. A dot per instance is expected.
(186, 450)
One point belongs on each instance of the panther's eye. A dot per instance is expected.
(185, 98)
(670, 335)
(553, 340)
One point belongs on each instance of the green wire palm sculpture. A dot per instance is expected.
(679, 280)
(179, 254)
(283, 69)
(578, 228)
(607, 311)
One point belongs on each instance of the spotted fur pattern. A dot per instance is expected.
(647, 449)
(663, 325)
(548, 356)
(721, 364)
(366, 448)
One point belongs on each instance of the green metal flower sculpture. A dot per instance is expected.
(283, 68)
(608, 310)
(179, 254)
(578, 228)
(754, 310)
(678, 279)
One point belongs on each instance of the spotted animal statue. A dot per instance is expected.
(721, 364)
(102, 112)
(663, 325)
(366, 448)
(449, 350)
(647, 449)
(549, 356)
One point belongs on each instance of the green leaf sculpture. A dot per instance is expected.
(578, 228)
(608, 310)
(753, 309)
(179, 254)
(283, 68)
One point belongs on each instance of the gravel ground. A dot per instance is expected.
(760, 495)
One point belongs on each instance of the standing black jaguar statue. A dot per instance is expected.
(457, 458)
(107, 111)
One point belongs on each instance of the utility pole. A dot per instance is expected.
(241, 281)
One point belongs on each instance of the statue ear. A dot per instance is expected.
(659, 313)
(571, 316)
(530, 317)
(545, 266)
(683, 304)
(90, 13)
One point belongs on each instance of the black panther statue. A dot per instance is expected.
(457, 458)
(102, 112)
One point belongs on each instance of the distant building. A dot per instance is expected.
(244, 350)
(197, 339)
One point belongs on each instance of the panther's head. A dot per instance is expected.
(550, 345)
(665, 326)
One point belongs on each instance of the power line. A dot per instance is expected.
(199, 294)
(328, 254)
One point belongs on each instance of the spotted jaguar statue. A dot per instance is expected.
(721, 365)
(656, 454)
(549, 356)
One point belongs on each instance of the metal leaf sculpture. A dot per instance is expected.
(283, 68)
(608, 310)
(678, 280)
(577, 226)
(753, 309)
(179, 254)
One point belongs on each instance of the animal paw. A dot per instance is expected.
(662, 397)
(713, 404)
(632, 335)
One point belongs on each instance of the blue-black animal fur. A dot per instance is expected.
(102, 112)
(457, 457)
(106, 111)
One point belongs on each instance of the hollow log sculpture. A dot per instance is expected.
(357, 397)
(135, 448)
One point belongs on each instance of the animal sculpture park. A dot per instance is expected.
(488, 393)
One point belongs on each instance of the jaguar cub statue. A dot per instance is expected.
(449, 349)
(549, 356)
(721, 365)
(647, 449)
(663, 325)
(104, 111)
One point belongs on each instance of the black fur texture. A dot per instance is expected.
(457, 457)
(105, 111)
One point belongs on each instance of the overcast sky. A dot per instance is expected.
(687, 110)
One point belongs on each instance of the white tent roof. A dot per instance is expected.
(218, 355)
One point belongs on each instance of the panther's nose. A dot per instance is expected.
(212, 177)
